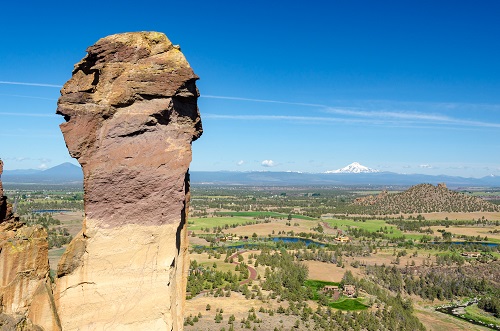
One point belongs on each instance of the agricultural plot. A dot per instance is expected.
(198, 223)
(262, 214)
(371, 226)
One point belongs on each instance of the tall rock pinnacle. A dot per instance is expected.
(131, 114)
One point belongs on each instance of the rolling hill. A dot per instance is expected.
(424, 198)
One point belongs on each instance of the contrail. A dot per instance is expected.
(384, 116)
(27, 114)
(26, 96)
(263, 100)
(202, 96)
(30, 84)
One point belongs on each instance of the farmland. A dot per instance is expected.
(246, 277)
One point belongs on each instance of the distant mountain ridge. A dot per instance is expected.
(335, 179)
(65, 173)
(68, 173)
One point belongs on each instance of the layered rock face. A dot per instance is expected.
(5, 208)
(131, 114)
(26, 301)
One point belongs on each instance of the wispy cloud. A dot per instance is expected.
(374, 117)
(410, 117)
(280, 117)
(387, 114)
(27, 96)
(30, 84)
(240, 162)
(25, 158)
(375, 121)
(27, 114)
(263, 101)
(370, 112)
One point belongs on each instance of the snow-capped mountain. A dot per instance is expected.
(353, 168)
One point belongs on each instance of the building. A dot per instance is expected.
(471, 254)
(330, 289)
(342, 239)
(349, 290)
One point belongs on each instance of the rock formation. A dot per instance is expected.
(5, 208)
(131, 114)
(26, 301)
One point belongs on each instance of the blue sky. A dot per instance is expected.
(402, 86)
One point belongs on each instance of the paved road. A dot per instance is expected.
(252, 271)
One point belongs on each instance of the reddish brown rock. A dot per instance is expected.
(3, 200)
(26, 301)
(1, 172)
(131, 115)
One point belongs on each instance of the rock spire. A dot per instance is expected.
(131, 115)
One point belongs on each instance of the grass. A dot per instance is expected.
(373, 226)
(229, 218)
(342, 304)
(262, 214)
(221, 266)
(473, 312)
(317, 285)
(368, 225)
(348, 304)
(197, 223)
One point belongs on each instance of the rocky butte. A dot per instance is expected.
(131, 115)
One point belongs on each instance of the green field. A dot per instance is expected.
(317, 285)
(197, 223)
(239, 218)
(348, 304)
(262, 214)
(473, 312)
(368, 225)
(372, 226)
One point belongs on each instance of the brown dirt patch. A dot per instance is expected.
(492, 216)
(72, 221)
(328, 272)
(197, 241)
(470, 231)
(239, 306)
